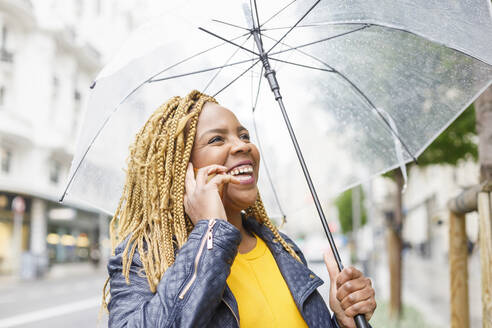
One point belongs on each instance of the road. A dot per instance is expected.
(70, 301)
(73, 299)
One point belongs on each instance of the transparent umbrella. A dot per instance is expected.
(367, 86)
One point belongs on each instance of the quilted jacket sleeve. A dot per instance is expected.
(189, 291)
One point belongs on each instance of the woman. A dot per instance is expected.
(196, 247)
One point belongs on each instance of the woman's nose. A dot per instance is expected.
(240, 146)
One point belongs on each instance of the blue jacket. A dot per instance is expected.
(193, 291)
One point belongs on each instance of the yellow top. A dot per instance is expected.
(263, 297)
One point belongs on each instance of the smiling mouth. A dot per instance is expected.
(242, 170)
(244, 173)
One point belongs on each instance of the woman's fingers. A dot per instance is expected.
(352, 286)
(356, 297)
(190, 183)
(347, 274)
(221, 179)
(204, 172)
(366, 307)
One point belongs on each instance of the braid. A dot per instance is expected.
(259, 212)
(150, 212)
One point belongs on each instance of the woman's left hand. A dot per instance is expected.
(351, 293)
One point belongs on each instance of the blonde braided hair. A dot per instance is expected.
(150, 212)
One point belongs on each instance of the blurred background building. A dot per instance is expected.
(50, 52)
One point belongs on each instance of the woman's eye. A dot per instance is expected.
(215, 139)
(244, 136)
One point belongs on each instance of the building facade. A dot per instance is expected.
(46, 68)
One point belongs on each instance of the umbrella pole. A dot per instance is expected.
(272, 80)
(360, 319)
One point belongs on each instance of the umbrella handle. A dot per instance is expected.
(361, 322)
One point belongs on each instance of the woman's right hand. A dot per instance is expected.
(202, 199)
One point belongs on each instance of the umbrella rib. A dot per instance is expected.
(315, 25)
(366, 98)
(255, 103)
(258, 90)
(227, 62)
(358, 91)
(241, 47)
(72, 177)
(382, 26)
(230, 24)
(199, 71)
(294, 26)
(298, 50)
(302, 65)
(228, 41)
(236, 78)
(321, 40)
(278, 12)
(189, 58)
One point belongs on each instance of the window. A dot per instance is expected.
(4, 37)
(5, 55)
(2, 96)
(76, 97)
(55, 170)
(76, 110)
(5, 160)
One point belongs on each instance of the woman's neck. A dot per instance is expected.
(248, 241)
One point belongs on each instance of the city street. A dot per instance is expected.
(68, 301)
(71, 295)
(72, 299)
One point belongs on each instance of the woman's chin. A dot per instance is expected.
(240, 199)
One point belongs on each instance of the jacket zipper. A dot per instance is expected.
(209, 239)
(233, 313)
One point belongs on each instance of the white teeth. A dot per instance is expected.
(244, 169)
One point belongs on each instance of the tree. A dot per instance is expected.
(455, 144)
(344, 206)
(484, 124)
(352, 216)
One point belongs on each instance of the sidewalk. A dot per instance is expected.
(57, 271)
(426, 287)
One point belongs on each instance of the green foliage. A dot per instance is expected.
(455, 143)
(344, 206)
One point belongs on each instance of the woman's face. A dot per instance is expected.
(221, 139)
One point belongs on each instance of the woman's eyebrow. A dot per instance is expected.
(216, 130)
(221, 131)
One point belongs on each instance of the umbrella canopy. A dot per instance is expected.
(368, 85)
